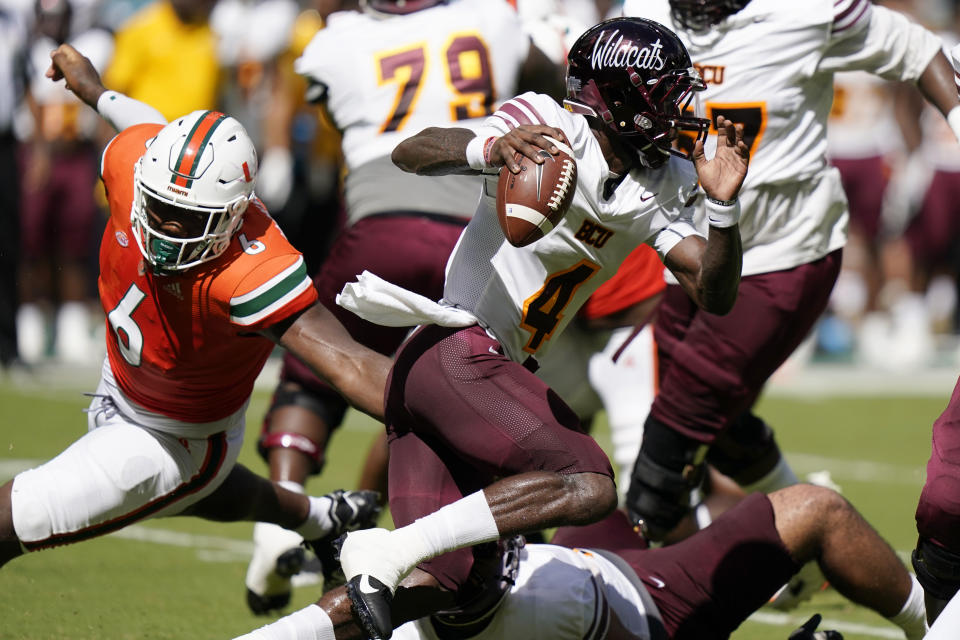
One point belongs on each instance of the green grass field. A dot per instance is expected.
(183, 578)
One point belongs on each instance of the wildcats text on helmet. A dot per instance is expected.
(612, 53)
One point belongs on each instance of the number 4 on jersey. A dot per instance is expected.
(543, 310)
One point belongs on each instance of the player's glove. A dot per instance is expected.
(809, 631)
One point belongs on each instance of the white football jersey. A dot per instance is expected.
(386, 79)
(558, 594)
(771, 67)
(862, 123)
(526, 295)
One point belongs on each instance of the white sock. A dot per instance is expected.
(391, 555)
(310, 623)
(913, 616)
(318, 523)
(779, 477)
(463, 523)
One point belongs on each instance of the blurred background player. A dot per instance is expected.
(166, 56)
(61, 214)
(866, 145)
(13, 78)
(918, 310)
(383, 73)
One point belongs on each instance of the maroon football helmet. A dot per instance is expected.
(397, 7)
(698, 15)
(636, 77)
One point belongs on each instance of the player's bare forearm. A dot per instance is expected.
(720, 268)
(709, 271)
(359, 374)
(435, 151)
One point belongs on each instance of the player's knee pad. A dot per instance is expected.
(937, 568)
(746, 451)
(328, 410)
(668, 467)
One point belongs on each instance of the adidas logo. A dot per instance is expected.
(173, 288)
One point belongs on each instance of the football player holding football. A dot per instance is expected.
(479, 446)
(198, 285)
(383, 73)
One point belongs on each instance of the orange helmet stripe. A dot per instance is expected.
(192, 149)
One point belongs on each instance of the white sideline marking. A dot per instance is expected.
(214, 548)
(211, 549)
(858, 470)
(785, 620)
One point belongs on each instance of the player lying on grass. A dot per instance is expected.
(600, 581)
(198, 285)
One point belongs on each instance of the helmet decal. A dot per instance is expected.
(613, 53)
(635, 76)
(187, 163)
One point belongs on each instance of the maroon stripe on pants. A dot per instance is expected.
(216, 453)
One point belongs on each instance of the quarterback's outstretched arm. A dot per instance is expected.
(120, 111)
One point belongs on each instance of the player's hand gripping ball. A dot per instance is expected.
(532, 202)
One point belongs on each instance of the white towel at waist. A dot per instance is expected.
(384, 303)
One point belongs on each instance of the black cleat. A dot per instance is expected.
(289, 564)
(264, 605)
(351, 510)
(808, 631)
(371, 602)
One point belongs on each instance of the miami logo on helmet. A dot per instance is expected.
(613, 53)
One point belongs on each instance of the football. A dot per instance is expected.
(532, 202)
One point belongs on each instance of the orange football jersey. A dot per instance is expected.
(639, 277)
(184, 345)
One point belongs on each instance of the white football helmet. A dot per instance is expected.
(203, 163)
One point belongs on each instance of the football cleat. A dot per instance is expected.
(371, 601)
(351, 510)
(277, 556)
(809, 631)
